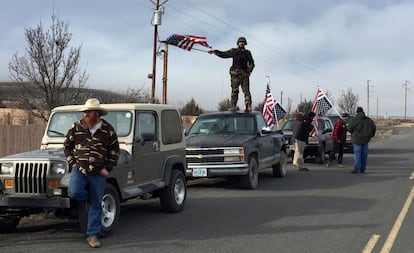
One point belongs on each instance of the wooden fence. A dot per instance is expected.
(22, 138)
(16, 139)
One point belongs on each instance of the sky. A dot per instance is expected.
(299, 45)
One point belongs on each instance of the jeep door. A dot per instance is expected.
(146, 148)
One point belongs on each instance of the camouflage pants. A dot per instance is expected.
(240, 77)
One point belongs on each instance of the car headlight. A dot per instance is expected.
(7, 168)
(58, 168)
(234, 155)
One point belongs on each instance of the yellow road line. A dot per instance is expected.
(398, 223)
(371, 244)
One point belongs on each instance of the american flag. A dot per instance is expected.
(186, 41)
(280, 112)
(321, 104)
(268, 108)
(319, 107)
(272, 110)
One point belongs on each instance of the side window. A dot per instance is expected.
(328, 124)
(145, 126)
(121, 121)
(260, 122)
(171, 131)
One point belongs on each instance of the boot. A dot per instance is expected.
(247, 107)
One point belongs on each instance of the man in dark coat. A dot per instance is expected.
(301, 131)
(362, 129)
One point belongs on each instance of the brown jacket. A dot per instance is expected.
(91, 153)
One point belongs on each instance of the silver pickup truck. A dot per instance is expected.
(151, 164)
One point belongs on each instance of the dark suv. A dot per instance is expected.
(316, 146)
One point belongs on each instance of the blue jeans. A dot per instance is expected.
(360, 157)
(88, 188)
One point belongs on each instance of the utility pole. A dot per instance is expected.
(281, 97)
(368, 97)
(377, 106)
(155, 22)
(164, 78)
(405, 85)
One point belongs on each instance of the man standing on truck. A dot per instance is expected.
(92, 150)
(240, 71)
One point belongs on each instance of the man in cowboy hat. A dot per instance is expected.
(240, 71)
(92, 150)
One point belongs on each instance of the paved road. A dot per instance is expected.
(323, 210)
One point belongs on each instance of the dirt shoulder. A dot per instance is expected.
(388, 127)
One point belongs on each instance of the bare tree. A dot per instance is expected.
(289, 106)
(136, 96)
(49, 71)
(259, 107)
(348, 101)
(304, 107)
(191, 109)
(224, 105)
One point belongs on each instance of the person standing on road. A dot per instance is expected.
(362, 129)
(301, 130)
(338, 139)
(92, 151)
(240, 71)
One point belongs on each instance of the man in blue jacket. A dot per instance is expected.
(362, 129)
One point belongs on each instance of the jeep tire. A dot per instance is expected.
(110, 211)
(9, 224)
(173, 196)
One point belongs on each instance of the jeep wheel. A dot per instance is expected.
(279, 169)
(173, 196)
(251, 180)
(9, 224)
(110, 211)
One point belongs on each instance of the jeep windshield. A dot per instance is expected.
(223, 124)
(60, 122)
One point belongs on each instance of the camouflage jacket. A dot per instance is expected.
(242, 58)
(91, 153)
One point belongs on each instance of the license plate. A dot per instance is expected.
(199, 172)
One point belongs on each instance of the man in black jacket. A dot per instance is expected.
(301, 131)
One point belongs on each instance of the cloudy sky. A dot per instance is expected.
(300, 44)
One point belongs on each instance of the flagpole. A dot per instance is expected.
(201, 50)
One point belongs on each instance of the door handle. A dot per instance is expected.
(155, 147)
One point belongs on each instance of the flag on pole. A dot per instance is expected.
(268, 107)
(272, 110)
(321, 104)
(319, 107)
(279, 111)
(186, 41)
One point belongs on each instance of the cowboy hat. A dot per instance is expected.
(93, 104)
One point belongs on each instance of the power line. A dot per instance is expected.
(273, 49)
